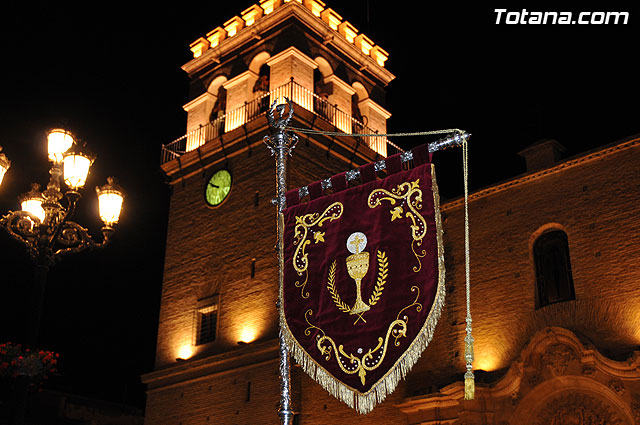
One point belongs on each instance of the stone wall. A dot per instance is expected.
(593, 199)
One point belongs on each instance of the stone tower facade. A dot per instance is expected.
(217, 355)
(555, 252)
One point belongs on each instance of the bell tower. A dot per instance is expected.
(217, 349)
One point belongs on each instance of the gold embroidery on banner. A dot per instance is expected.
(405, 318)
(422, 254)
(364, 402)
(303, 224)
(396, 213)
(383, 273)
(357, 267)
(331, 282)
(351, 364)
(411, 195)
(302, 284)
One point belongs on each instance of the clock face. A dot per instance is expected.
(218, 188)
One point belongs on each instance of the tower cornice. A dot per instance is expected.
(296, 10)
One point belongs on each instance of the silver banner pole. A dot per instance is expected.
(281, 144)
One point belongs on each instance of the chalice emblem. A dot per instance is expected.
(357, 266)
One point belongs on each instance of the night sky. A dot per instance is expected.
(110, 73)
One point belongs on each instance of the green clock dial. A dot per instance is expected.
(218, 188)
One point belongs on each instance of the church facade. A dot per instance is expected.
(555, 276)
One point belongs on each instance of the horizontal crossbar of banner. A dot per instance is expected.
(405, 134)
(440, 144)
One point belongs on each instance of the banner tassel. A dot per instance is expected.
(469, 379)
(469, 386)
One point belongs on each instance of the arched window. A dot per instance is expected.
(361, 94)
(554, 282)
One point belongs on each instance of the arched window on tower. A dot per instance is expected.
(261, 90)
(554, 282)
(321, 99)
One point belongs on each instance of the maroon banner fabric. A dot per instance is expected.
(364, 283)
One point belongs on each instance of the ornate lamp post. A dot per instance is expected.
(44, 224)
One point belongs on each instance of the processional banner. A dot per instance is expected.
(363, 281)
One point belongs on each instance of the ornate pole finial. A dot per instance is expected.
(280, 139)
(282, 122)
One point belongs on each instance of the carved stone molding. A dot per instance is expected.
(588, 370)
(515, 398)
(534, 380)
(572, 399)
(617, 386)
(635, 408)
(577, 409)
(557, 358)
(556, 380)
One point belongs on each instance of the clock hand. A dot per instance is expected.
(211, 184)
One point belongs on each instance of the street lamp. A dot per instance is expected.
(76, 164)
(58, 142)
(109, 202)
(44, 224)
(4, 164)
(31, 202)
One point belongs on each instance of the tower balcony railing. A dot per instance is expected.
(258, 107)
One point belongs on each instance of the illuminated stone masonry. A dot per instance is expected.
(534, 363)
(556, 380)
(254, 14)
(340, 78)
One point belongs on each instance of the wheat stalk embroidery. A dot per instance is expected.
(331, 286)
(383, 272)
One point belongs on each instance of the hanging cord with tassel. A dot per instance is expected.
(469, 381)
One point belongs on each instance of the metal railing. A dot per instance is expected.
(251, 110)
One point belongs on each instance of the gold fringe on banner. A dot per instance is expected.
(365, 402)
